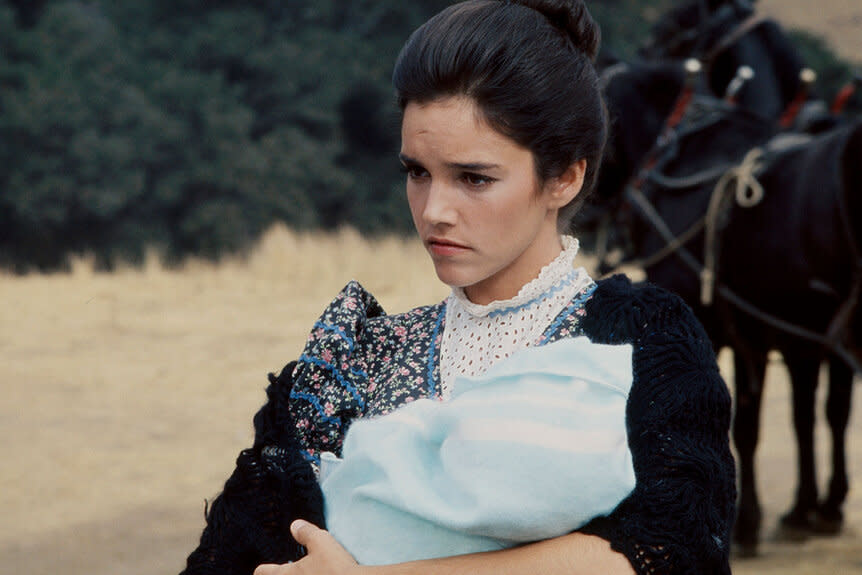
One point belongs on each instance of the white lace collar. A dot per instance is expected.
(475, 337)
(551, 276)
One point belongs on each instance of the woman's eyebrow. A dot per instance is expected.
(405, 159)
(468, 166)
(471, 166)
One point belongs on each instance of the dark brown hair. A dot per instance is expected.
(528, 65)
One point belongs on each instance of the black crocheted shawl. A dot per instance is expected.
(677, 520)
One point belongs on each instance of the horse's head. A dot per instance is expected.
(639, 97)
(727, 34)
(692, 28)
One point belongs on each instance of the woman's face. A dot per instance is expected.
(487, 221)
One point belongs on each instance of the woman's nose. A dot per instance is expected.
(440, 206)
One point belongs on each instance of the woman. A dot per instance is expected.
(502, 132)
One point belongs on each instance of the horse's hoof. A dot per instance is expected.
(795, 526)
(827, 521)
(791, 534)
(827, 527)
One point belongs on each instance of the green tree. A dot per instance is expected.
(192, 125)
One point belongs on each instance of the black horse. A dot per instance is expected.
(806, 285)
(727, 34)
(794, 256)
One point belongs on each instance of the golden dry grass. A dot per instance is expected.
(127, 396)
(132, 392)
(839, 21)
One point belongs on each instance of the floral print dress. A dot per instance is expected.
(360, 362)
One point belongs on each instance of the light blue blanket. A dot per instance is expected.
(533, 449)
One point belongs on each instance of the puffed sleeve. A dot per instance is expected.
(272, 485)
(679, 516)
(274, 481)
(330, 379)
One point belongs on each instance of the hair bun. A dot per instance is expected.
(573, 18)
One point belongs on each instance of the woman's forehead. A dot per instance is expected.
(453, 129)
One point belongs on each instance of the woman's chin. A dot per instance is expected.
(453, 278)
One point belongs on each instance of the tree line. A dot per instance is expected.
(191, 126)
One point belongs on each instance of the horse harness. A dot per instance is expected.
(734, 183)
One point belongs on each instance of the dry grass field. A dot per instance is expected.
(127, 396)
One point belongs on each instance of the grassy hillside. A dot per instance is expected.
(127, 396)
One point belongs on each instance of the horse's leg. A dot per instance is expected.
(749, 368)
(803, 368)
(830, 517)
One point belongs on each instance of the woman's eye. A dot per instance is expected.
(477, 180)
(414, 172)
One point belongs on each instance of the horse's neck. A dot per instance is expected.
(852, 182)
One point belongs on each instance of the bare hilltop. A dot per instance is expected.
(838, 21)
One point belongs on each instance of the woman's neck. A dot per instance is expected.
(507, 282)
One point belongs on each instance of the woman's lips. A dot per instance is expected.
(441, 247)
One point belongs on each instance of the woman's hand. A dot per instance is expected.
(570, 554)
(325, 555)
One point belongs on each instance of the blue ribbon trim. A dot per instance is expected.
(576, 304)
(338, 377)
(432, 351)
(315, 459)
(542, 297)
(316, 403)
(336, 330)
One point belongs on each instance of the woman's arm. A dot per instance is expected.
(678, 519)
(271, 485)
(573, 554)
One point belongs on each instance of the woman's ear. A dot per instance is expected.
(565, 187)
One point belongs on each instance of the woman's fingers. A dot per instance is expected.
(271, 569)
(325, 555)
(311, 536)
(305, 532)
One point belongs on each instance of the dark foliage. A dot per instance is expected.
(192, 126)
